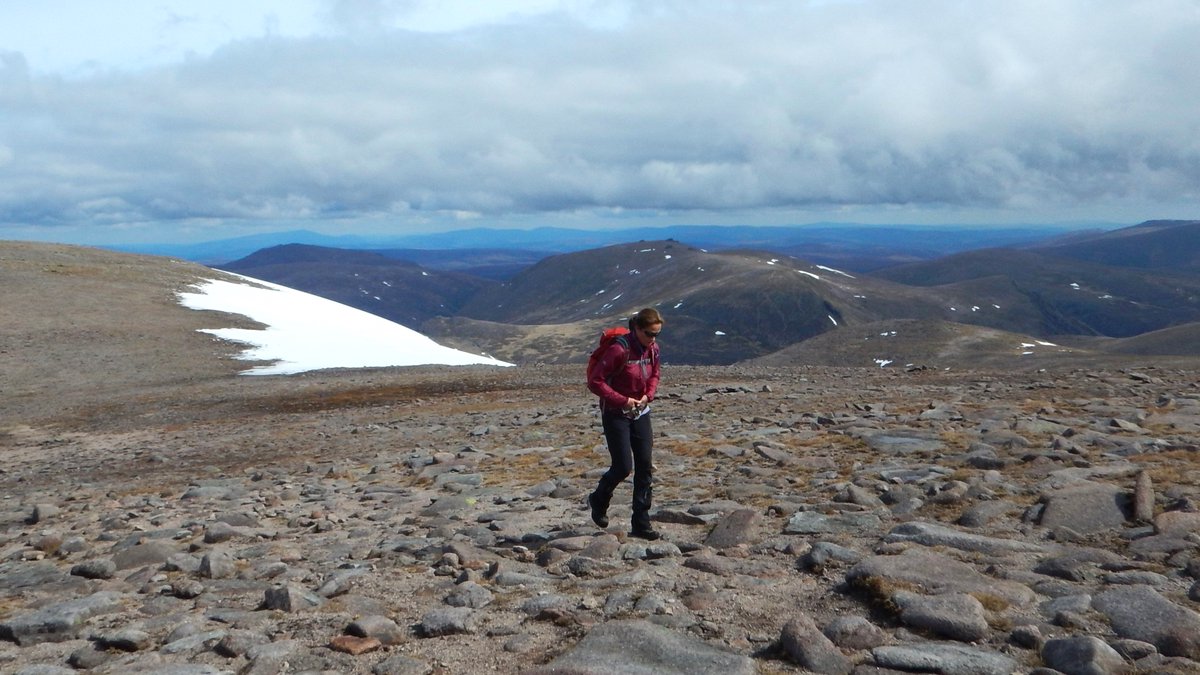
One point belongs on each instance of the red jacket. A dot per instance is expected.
(624, 373)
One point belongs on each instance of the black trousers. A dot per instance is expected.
(630, 444)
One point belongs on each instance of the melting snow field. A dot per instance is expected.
(305, 332)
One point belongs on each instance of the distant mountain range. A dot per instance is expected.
(855, 247)
(725, 305)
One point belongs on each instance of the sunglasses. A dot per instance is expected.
(650, 334)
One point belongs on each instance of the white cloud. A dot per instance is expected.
(408, 112)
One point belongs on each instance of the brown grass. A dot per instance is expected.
(878, 592)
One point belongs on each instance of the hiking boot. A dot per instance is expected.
(598, 516)
(648, 534)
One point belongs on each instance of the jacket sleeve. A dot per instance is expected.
(611, 360)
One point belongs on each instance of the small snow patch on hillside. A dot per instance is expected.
(830, 269)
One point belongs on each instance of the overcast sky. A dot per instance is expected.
(185, 121)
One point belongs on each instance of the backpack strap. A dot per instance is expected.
(622, 340)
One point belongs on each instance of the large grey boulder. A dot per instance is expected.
(947, 659)
(1140, 613)
(934, 574)
(1082, 655)
(642, 648)
(58, 622)
(1086, 507)
(733, 529)
(931, 534)
(805, 644)
(957, 616)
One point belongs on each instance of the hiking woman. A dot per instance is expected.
(626, 379)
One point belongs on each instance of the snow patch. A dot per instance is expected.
(305, 332)
(830, 269)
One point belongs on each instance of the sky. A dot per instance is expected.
(306, 332)
(173, 122)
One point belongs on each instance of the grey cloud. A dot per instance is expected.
(998, 105)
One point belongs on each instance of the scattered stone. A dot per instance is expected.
(930, 534)
(733, 530)
(469, 594)
(637, 646)
(1177, 523)
(1143, 498)
(855, 633)
(1082, 655)
(290, 598)
(1140, 613)
(944, 658)
(218, 564)
(447, 621)
(1085, 507)
(805, 644)
(957, 616)
(58, 622)
(43, 512)
(101, 568)
(379, 627)
(934, 574)
(822, 553)
(151, 553)
(126, 640)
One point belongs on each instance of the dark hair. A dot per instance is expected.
(645, 318)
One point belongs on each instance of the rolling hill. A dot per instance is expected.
(399, 291)
(1162, 245)
(721, 307)
(1046, 295)
(734, 305)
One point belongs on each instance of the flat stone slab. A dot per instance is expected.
(641, 648)
(811, 522)
(944, 658)
(904, 442)
(61, 621)
(1140, 613)
(1177, 523)
(1086, 507)
(935, 574)
(929, 534)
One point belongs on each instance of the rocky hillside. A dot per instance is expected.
(180, 519)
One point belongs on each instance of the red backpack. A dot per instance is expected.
(610, 335)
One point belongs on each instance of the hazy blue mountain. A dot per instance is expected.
(858, 247)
